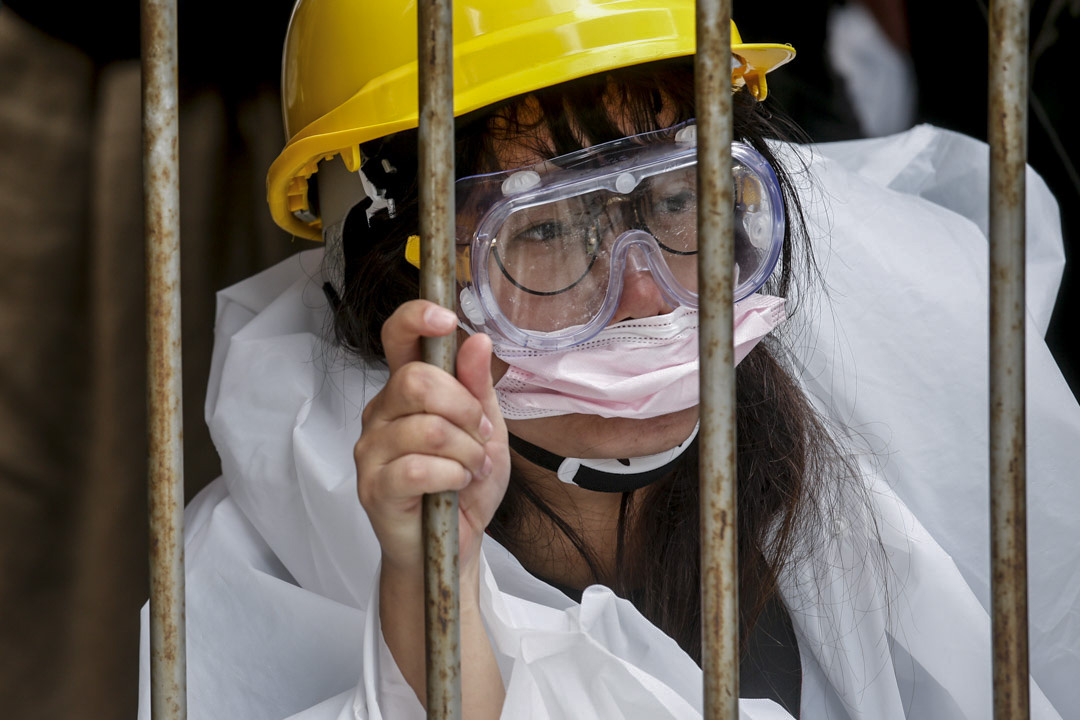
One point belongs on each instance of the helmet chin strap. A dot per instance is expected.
(605, 475)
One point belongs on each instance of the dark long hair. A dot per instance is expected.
(788, 463)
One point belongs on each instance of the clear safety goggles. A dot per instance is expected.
(543, 252)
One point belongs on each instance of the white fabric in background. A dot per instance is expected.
(879, 78)
(899, 354)
(281, 563)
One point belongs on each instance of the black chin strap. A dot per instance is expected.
(590, 478)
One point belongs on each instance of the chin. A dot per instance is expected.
(592, 436)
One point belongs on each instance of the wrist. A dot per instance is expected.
(400, 581)
(469, 580)
(406, 584)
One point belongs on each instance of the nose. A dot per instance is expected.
(641, 296)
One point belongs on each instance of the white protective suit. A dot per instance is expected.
(282, 563)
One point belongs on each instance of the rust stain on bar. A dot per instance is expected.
(437, 283)
(161, 187)
(719, 548)
(1007, 130)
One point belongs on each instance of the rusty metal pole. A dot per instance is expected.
(719, 547)
(437, 282)
(161, 188)
(1007, 120)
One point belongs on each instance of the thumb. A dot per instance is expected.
(474, 372)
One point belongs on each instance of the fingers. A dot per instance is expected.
(418, 388)
(474, 373)
(392, 497)
(431, 435)
(409, 477)
(413, 320)
(428, 431)
(474, 365)
(422, 420)
(480, 499)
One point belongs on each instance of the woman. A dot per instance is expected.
(568, 428)
(549, 272)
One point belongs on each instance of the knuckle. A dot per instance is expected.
(367, 413)
(359, 453)
(398, 321)
(413, 380)
(389, 324)
(474, 412)
(434, 432)
(372, 408)
(364, 492)
(413, 471)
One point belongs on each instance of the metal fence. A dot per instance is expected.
(161, 178)
(1007, 120)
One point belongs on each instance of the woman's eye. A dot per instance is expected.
(675, 203)
(544, 232)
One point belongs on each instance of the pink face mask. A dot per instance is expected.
(632, 369)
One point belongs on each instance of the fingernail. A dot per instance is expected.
(440, 318)
(486, 470)
(486, 428)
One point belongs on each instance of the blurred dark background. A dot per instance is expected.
(73, 542)
(941, 47)
(72, 379)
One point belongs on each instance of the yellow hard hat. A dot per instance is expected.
(349, 69)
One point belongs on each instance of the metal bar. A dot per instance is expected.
(1007, 121)
(719, 547)
(161, 188)
(437, 282)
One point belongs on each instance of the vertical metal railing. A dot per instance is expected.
(1008, 137)
(1007, 133)
(719, 545)
(437, 283)
(161, 188)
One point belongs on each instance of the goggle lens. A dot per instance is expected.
(547, 247)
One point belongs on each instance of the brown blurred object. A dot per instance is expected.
(891, 16)
(72, 355)
(809, 91)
